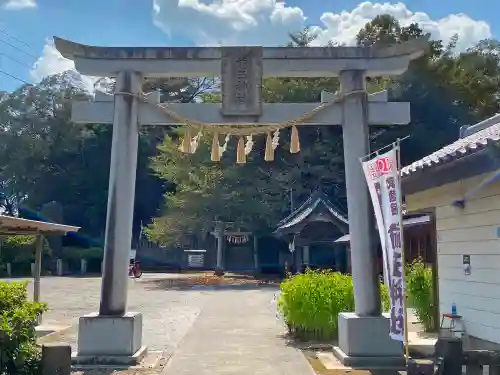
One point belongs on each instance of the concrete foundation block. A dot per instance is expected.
(364, 342)
(56, 359)
(110, 339)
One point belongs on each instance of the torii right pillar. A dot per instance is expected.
(363, 334)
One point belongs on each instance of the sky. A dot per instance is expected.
(27, 53)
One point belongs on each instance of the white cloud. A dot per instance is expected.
(343, 27)
(17, 4)
(268, 22)
(52, 62)
(228, 22)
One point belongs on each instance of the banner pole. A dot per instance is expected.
(403, 260)
(376, 152)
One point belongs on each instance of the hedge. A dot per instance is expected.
(19, 353)
(420, 290)
(310, 303)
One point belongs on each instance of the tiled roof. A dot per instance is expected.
(307, 208)
(407, 222)
(463, 147)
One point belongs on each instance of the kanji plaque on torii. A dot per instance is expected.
(241, 81)
(241, 70)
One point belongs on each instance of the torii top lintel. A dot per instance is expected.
(276, 61)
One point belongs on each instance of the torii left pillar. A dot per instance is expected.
(114, 335)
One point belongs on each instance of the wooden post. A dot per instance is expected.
(256, 253)
(435, 274)
(348, 251)
(219, 234)
(306, 255)
(38, 267)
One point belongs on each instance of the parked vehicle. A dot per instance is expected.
(134, 269)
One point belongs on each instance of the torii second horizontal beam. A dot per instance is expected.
(379, 113)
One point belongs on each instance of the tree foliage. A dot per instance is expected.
(45, 157)
(19, 352)
(446, 90)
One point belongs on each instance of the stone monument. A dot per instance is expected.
(241, 70)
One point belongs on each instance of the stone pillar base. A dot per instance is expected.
(110, 340)
(364, 342)
(219, 272)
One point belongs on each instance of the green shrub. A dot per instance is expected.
(19, 353)
(311, 302)
(420, 291)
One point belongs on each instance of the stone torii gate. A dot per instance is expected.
(118, 333)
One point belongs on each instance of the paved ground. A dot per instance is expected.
(224, 331)
(237, 333)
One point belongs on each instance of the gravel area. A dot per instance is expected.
(168, 315)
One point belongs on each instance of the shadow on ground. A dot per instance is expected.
(108, 371)
(207, 281)
(115, 371)
(190, 285)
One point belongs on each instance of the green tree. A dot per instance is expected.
(45, 157)
(254, 195)
(446, 90)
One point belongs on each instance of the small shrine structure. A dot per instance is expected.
(311, 231)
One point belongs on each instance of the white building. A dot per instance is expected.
(459, 185)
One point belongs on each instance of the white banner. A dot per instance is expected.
(384, 184)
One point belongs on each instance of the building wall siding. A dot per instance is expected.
(470, 231)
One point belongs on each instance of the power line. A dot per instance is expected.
(16, 39)
(19, 49)
(16, 78)
(13, 59)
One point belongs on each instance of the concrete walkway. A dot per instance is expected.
(237, 333)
